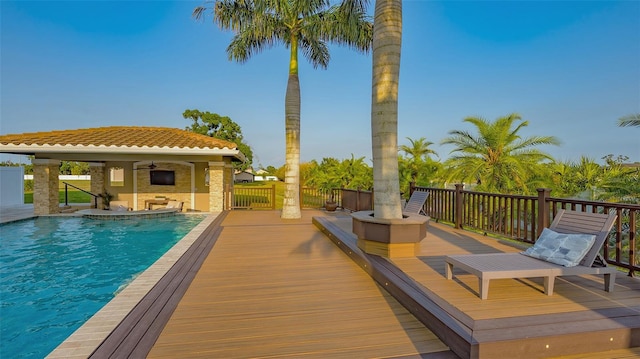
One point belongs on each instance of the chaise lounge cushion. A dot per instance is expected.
(561, 248)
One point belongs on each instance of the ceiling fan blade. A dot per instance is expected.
(149, 167)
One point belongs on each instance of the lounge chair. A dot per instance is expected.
(120, 206)
(175, 204)
(524, 265)
(416, 203)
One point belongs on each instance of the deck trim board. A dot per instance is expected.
(140, 328)
(449, 329)
(579, 312)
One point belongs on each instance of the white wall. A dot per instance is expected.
(64, 177)
(11, 185)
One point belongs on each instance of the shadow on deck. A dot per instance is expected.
(518, 320)
(253, 285)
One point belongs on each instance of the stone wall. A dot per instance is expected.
(96, 171)
(181, 191)
(45, 186)
(216, 186)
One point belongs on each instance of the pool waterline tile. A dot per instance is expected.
(82, 342)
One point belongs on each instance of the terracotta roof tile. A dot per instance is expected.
(119, 136)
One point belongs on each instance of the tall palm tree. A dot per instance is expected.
(387, 42)
(630, 120)
(497, 159)
(299, 25)
(417, 153)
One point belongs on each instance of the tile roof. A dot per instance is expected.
(120, 137)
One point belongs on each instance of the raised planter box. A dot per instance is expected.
(389, 237)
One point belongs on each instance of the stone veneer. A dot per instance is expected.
(181, 191)
(96, 170)
(45, 182)
(216, 186)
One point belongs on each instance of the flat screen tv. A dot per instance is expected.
(163, 178)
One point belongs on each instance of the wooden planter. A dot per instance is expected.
(389, 237)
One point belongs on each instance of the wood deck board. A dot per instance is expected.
(517, 311)
(140, 328)
(275, 288)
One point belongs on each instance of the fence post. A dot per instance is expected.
(458, 206)
(543, 209)
(273, 196)
(227, 197)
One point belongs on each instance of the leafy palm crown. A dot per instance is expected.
(498, 159)
(304, 24)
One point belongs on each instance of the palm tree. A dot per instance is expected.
(497, 159)
(299, 25)
(588, 175)
(387, 39)
(630, 120)
(418, 153)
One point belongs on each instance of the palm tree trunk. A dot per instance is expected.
(387, 37)
(291, 202)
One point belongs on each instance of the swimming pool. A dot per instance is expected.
(58, 271)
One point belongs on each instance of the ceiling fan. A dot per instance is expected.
(152, 166)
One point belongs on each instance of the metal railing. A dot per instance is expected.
(66, 194)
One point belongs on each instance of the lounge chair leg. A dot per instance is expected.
(449, 270)
(548, 284)
(609, 282)
(484, 288)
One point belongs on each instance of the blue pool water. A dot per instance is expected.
(56, 272)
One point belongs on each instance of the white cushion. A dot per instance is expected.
(561, 248)
(173, 204)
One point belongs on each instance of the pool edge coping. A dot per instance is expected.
(82, 342)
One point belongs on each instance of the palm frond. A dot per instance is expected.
(630, 120)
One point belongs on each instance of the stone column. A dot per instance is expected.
(46, 199)
(216, 186)
(96, 170)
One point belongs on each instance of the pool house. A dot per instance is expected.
(142, 167)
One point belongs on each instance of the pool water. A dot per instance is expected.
(56, 272)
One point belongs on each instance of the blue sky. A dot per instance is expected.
(570, 68)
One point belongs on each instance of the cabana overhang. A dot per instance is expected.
(202, 164)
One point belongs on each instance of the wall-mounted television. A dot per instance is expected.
(163, 178)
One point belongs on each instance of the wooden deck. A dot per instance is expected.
(273, 288)
(254, 285)
(518, 320)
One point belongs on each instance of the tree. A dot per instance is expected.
(497, 159)
(387, 42)
(222, 127)
(588, 176)
(621, 183)
(299, 25)
(418, 154)
(630, 120)
(74, 168)
(331, 173)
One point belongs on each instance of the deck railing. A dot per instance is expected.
(517, 217)
(251, 198)
(316, 198)
(265, 197)
(522, 218)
